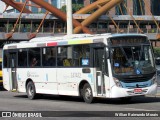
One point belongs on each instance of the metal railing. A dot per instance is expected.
(64, 30)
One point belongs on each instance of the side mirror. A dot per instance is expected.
(107, 53)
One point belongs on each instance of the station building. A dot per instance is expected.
(53, 26)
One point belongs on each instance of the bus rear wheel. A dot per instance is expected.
(87, 93)
(31, 92)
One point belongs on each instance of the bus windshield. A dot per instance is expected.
(132, 60)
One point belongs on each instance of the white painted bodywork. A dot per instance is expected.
(62, 81)
(65, 81)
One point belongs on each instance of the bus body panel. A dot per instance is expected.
(68, 82)
(107, 86)
(117, 92)
(7, 79)
(44, 79)
(47, 82)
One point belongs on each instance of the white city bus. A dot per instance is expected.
(103, 65)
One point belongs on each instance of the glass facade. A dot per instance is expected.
(42, 10)
(138, 7)
(54, 3)
(155, 7)
(120, 9)
(77, 1)
(34, 9)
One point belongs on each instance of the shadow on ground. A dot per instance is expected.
(2, 89)
(134, 100)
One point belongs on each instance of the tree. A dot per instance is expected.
(157, 52)
(75, 7)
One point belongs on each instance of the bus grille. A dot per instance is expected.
(135, 79)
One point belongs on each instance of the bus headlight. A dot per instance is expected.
(117, 82)
(154, 80)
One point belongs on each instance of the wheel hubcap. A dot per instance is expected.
(31, 91)
(88, 93)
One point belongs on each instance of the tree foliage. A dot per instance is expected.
(75, 7)
(157, 52)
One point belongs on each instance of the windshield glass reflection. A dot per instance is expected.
(132, 60)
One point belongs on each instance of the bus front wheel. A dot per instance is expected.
(31, 92)
(87, 93)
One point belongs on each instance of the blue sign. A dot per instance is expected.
(85, 61)
(138, 72)
(116, 64)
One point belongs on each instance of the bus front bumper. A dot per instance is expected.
(117, 92)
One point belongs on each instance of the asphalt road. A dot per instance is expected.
(12, 101)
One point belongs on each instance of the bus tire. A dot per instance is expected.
(31, 91)
(87, 93)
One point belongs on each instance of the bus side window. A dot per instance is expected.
(34, 62)
(81, 55)
(5, 59)
(64, 56)
(34, 58)
(49, 56)
(22, 58)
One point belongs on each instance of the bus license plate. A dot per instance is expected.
(137, 90)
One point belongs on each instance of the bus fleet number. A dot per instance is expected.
(75, 75)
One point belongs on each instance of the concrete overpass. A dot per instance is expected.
(54, 26)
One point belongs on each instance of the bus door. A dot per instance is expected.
(12, 64)
(99, 65)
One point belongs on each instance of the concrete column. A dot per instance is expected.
(146, 8)
(130, 6)
(19, 27)
(69, 18)
(42, 28)
(118, 26)
(128, 26)
(7, 30)
(54, 23)
(31, 26)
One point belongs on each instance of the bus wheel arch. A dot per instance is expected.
(27, 81)
(81, 85)
(30, 89)
(85, 91)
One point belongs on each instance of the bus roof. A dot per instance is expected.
(65, 40)
(131, 34)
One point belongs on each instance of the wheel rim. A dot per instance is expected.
(30, 91)
(88, 93)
